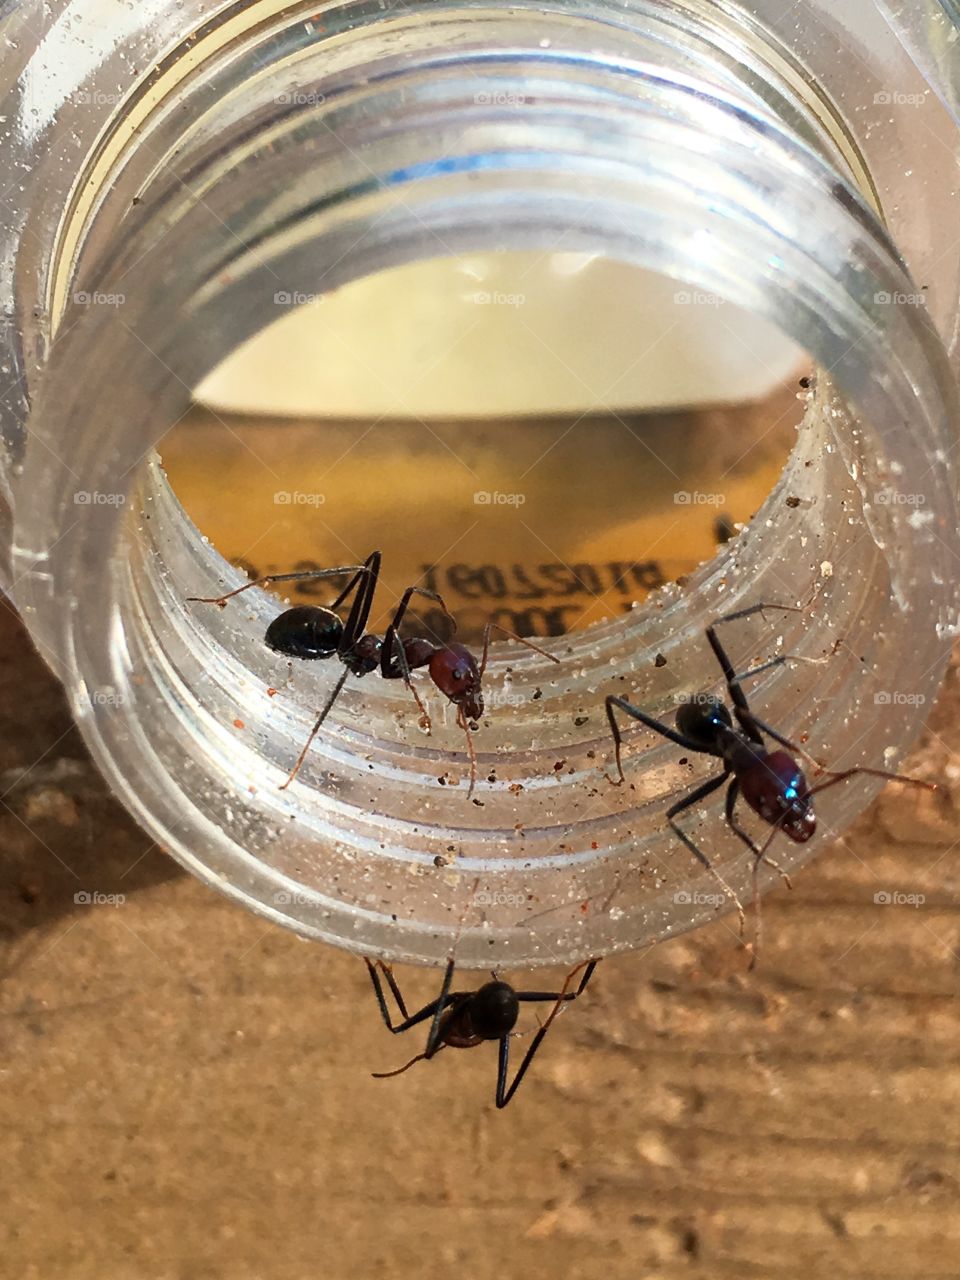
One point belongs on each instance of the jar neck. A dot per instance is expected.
(455, 132)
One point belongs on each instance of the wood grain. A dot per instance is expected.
(185, 1090)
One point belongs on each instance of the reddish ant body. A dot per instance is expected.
(770, 782)
(465, 1019)
(311, 632)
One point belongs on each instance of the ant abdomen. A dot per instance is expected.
(702, 717)
(494, 1010)
(305, 631)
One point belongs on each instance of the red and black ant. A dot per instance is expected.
(771, 782)
(312, 631)
(465, 1019)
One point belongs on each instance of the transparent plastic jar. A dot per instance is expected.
(198, 157)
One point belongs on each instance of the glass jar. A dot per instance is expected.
(175, 164)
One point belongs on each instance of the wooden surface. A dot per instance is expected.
(185, 1090)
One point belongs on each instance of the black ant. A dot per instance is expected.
(771, 782)
(311, 631)
(465, 1019)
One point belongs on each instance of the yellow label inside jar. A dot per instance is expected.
(541, 525)
(470, 417)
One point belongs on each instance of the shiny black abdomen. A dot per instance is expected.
(305, 631)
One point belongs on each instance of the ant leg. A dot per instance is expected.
(318, 724)
(355, 569)
(760, 856)
(665, 732)
(842, 776)
(392, 648)
(408, 1021)
(503, 1093)
(387, 971)
(433, 1038)
(778, 662)
(368, 576)
(786, 742)
(588, 967)
(428, 595)
(701, 793)
(737, 696)
(419, 1057)
(356, 622)
(495, 626)
(471, 752)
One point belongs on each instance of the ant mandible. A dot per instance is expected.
(771, 782)
(465, 1019)
(310, 631)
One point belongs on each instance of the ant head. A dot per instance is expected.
(774, 787)
(701, 716)
(305, 631)
(494, 1010)
(454, 670)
